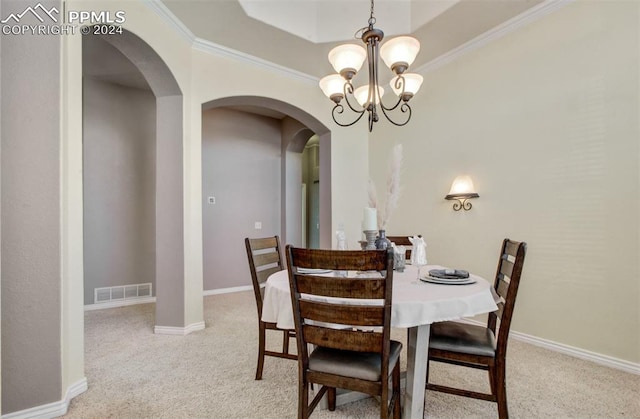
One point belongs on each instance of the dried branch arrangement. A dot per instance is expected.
(392, 189)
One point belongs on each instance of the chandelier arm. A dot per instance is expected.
(405, 108)
(399, 82)
(348, 90)
(384, 108)
(339, 109)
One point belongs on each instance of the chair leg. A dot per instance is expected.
(396, 391)
(285, 341)
(331, 398)
(303, 399)
(384, 399)
(501, 391)
(426, 381)
(492, 380)
(261, 343)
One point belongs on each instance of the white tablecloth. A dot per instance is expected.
(415, 302)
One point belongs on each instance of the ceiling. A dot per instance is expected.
(298, 34)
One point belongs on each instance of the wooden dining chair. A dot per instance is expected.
(264, 260)
(403, 241)
(483, 347)
(353, 349)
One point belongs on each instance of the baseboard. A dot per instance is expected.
(607, 361)
(123, 303)
(178, 331)
(51, 410)
(147, 300)
(228, 290)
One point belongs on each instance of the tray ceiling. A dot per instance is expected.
(298, 34)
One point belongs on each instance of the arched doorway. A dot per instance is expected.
(159, 206)
(281, 130)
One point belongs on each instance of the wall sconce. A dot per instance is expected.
(461, 191)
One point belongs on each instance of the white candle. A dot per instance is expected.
(370, 221)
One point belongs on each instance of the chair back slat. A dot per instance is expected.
(502, 288)
(355, 315)
(346, 339)
(264, 243)
(263, 275)
(511, 248)
(506, 268)
(345, 260)
(340, 287)
(266, 258)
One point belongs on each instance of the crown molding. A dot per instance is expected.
(222, 51)
(513, 24)
(167, 15)
(209, 47)
(505, 28)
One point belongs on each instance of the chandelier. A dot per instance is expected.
(397, 53)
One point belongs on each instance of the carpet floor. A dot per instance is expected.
(134, 373)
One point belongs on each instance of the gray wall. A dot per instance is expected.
(241, 160)
(30, 217)
(119, 130)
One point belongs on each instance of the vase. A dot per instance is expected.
(382, 243)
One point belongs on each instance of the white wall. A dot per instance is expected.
(546, 122)
(241, 161)
(119, 186)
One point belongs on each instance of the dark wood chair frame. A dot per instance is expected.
(403, 241)
(506, 286)
(358, 321)
(265, 259)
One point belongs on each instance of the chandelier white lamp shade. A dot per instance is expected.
(397, 53)
(347, 59)
(363, 95)
(333, 87)
(410, 82)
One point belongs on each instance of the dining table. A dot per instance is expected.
(416, 304)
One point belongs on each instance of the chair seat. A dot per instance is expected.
(365, 366)
(462, 338)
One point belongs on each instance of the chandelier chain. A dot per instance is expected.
(372, 18)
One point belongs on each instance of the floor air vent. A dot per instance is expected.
(121, 293)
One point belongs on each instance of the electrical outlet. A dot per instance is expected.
(258, 225)
(212, 199)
